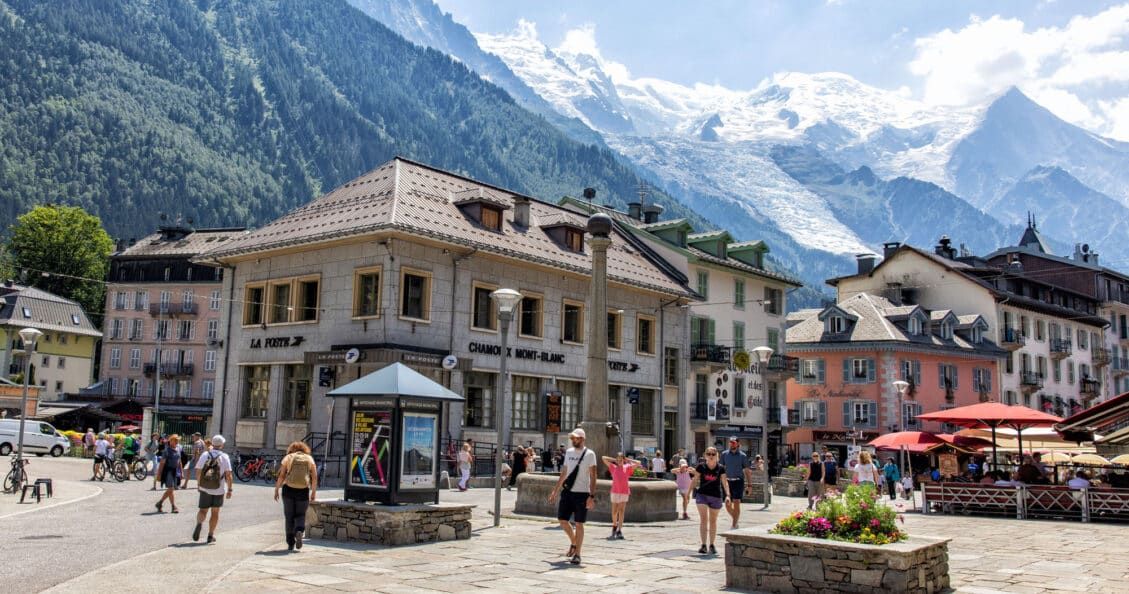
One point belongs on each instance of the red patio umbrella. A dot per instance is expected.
(992, 415)
(893, 441)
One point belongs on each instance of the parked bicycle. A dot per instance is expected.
(107, 465)
(250, 467)
(17, 476)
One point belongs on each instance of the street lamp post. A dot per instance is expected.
(29, 336)
(901, 386)
(763, 354)
(506, 300)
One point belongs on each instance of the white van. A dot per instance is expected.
(39, 438)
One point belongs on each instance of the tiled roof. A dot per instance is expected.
(562, 218)
(45, 311)
(196, 242)
(732, 263)
(660, 225)
(413, 198)
(873, 325)
(708, 235)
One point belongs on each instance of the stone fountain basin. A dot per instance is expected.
(652, 500)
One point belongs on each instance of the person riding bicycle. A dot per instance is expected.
(102, 449)
(132, 448)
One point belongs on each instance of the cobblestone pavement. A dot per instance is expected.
(526, 555)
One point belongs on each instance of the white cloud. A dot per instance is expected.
(1068, 69)
(581, 41)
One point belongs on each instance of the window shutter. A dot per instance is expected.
(695, 331)
(822, 379)
(986, 379)
(848, 414)
(941, 375)
(917, 373)
(870, 372)
(822, 414)
(712, 329)
(872, 414)
(846, 371)
(800, 371)
(956, 377)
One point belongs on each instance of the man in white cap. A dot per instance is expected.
(576, 486)
(213, 480)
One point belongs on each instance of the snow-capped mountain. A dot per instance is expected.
(901, 170)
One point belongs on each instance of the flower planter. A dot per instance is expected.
(757, 560)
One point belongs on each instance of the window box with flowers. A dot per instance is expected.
(849, 542)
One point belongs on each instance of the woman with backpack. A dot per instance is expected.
(169, 473)
(298, 485)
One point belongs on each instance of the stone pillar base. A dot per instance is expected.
(348, 521)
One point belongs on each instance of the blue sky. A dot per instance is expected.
(1071, 56)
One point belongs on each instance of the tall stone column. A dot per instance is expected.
(595, 418)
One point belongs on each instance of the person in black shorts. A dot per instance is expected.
(577, 498)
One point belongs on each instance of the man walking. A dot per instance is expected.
(88, 443)
(815, 479)
(658, 465)
(576, 486)
(739, 472)
(213, 480)
(830, 472)
(198, 448)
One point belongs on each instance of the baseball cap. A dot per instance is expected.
(578, 432)
(733, 440)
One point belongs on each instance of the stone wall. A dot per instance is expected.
(652, 500)
(757, 560)
(792, 485)
(388, 525)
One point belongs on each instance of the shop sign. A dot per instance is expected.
(553, 411)
(842, 435)
(623, 366)
(485, 348)
(277, 342)
(815, 393)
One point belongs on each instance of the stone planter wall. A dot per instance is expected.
(652, 500)
(793, 485)
(348, 521)
(757, 560)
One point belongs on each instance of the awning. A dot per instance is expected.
(738, 431)
(1097, 417)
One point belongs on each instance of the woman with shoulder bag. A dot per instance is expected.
(298, 483)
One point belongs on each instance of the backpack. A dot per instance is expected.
(298, 477)
(210, 473)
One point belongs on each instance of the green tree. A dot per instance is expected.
(57, 247)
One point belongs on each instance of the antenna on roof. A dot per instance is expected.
(643, 190)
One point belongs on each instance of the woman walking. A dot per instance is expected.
(298, 483)
(620, 468)
(169, 473)
(683, 480)
(865, 472)
(713, 493)
(466, 458)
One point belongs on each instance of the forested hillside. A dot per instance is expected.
(233, 111)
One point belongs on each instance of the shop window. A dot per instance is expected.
(572, 322)
(479, 409)
(256, 391)
(296, 397)
(415, 295)
(530, 316)
(366, 293)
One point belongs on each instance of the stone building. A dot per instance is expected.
(399, 265)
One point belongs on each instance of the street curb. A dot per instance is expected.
(97, 492)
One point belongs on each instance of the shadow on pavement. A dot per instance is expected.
(276, 553)
(187, 545)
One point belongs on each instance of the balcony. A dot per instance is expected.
(1101, 356)
(173, 309)
(773, 415)
(783, 366)
(710, 353)
(1090, 387)
(1060, 348)
(1120, 365)
(171, 369)
(1012, 339)
(1030, 382)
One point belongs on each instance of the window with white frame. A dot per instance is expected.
(136, 329)
(914, 326)
(116, 329)
(208, 389)
(836, 324)
(209, 360)
(214, 300)
(135, 358)
(527, 403)
(859, 371)
(115, 358)
(910, 410)
(813, 413)
(213, 329)
(571, 393)
(811, 371)
(704, 284)
(739, 293)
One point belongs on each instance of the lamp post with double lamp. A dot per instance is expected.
(763, 354)
(506, 300)
(29, 336)
(901, 386)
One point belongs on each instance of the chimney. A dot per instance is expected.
(635, 210)
(893, 293)
(521, 211)
(889, 248)
(944, 248)
(652, 213)
(866, 262)
(1014, 264)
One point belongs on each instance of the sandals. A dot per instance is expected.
(571, 551)
(175, 510)
(575, 560)
(160, 509)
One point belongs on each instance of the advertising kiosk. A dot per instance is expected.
(395, 420)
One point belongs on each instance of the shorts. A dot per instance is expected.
(709, 501)
(207, 500)
(683, 491)
(620, 497)
(573, 506)
(815, 488)
(736, 489)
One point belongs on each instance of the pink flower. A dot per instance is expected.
(875, 523)
(864, 506)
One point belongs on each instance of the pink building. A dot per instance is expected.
(851, 353)
(160, 302)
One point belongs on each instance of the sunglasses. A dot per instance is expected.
(710, 455)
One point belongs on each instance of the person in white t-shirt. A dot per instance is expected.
(578, 498)
(658, 465)
(211, 498)
(101, 451)
(865, 472)
(465, 460)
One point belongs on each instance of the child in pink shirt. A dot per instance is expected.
(620, 468)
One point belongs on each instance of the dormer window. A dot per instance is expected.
(976, 335)
(491, 218)
(947, 330)
(574, 240)
(915, 326)
(836, 325)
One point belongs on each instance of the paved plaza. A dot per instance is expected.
(523, 555)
